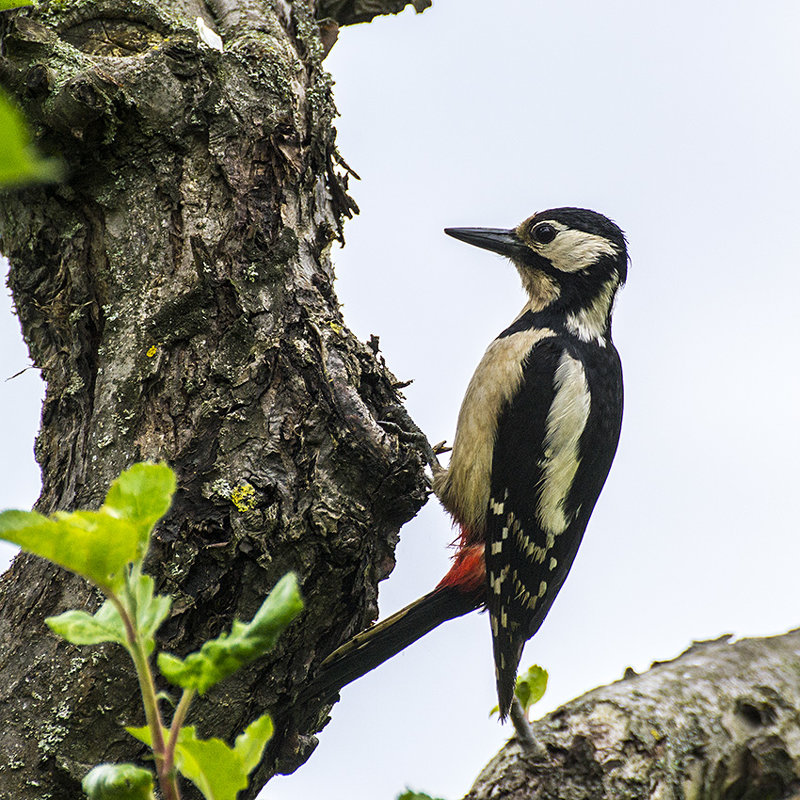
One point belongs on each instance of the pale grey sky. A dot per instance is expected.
(680, 121)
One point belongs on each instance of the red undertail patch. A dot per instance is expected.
(468, 573)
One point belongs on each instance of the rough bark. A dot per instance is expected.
(720, 722)
(176, 292)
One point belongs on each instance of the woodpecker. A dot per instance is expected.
(536, 434)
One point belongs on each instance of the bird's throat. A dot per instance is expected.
(542, 290)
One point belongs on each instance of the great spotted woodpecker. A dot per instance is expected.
(536, 435)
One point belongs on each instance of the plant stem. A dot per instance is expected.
(175, 728)
(166, 777)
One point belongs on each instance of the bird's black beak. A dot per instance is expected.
(497, 240)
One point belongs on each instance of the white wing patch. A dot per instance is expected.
(566, 421)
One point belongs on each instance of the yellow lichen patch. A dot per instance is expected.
(152, 351)
(244, 497)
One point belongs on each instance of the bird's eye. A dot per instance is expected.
(543, 233)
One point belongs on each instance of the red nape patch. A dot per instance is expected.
(468, 573)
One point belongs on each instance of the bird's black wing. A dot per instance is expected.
(554, 446)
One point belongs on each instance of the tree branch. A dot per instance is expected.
(720, 721)
(350, 12)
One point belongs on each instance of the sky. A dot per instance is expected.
(679, 121)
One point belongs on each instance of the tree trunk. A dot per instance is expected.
(176, 292)
(717, 723)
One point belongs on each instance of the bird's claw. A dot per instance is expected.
(433, 461)
(401, 424)
(441, 447)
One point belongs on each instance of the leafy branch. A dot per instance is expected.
(107, 547)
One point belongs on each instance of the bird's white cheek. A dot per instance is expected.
(572, 251)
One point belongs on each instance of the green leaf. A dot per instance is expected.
(531, 686)
(249, 745)
(141, 495)
(19, 162)
(408, 794)
(148, 612)
(118, 782)
(98, 544)
(91, 543)
(221, 657)
(79, 627)
(219, 771)
(210, 765)
(143, 734)
(149, 609)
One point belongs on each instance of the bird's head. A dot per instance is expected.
(571, 260)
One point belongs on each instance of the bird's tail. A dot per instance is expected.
(369, 649)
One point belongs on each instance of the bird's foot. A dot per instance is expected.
(397, 420)
(437, 450)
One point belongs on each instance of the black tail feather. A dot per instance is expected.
(369, 649)
(507, 654)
